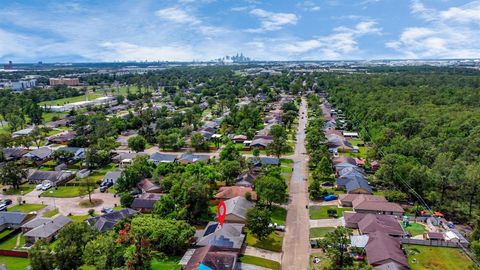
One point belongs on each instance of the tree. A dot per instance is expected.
(63, 156)
(271, 189)
(71, 242)
(278, 147)
(120, 99)
(137, 143)
(38, 135)
(103, 253)
(230, 152)
(475, 248)
(335, 245)
(126, 199)
(258, 222)
(12, 174)
(229, 170)
(139, 169)
(41, 256)
(316, 191)
(96, 158)
(472, 185)
(165, 207)
(197, 141)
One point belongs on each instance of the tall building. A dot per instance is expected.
(8, 66)
(64, 81)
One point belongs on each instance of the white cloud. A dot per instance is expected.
(271, 21)
(452, 33)
(308, 6)
(176, 15)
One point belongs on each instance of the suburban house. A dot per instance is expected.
(111, 177)
(237, 209)
(22, 132)
(262, 161)
(157, 158)
(14, 153)
(187, 158)
(207, 256)
(78, 152)
(245, 180)
(62, 138)
(226, 237)
(147, 186)
(43, 228)
(260, 143)
(107, 221)
(369, 223)
(54, 177)
(239, 138)
(39, 155)
(384, 252)
(145, 202)
(370, 204)
(358, 186)
(226, 193)
(60, 122)
(12, 220)
(123, 157)
(342, 159)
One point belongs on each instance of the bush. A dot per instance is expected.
(332, 212)
(91, 212)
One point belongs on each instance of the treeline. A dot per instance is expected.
(425, 128)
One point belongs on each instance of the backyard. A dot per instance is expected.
(320, 212)
(436, 258)
(13, 263)
(415, 229)
(169, 263)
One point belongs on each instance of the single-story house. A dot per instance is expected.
(382, 249)
(245, 180)
(83, 173)
(187, 158)
(147, 186)
(435, 236)
(225, 193)
(380, 223)
(262, 161)
(260, 143)
(12, 220)
(54, 177)
(14, 153)
(370, 204)
(78, 152)
(350, 134)
(22, 132)
(111, 177)
(342, 159)
(157, 158)
(44, 228)
(107, 221)
(343, 165)
(237, 209)
(359, 241)
(62, 138)
(227, 237)
(40, 154)
(209, 258)
(358, 186)
(239, 138)
(120, 157)
(60, 123)
(145, 202)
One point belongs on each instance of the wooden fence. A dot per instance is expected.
(13, 253)
(433, 243)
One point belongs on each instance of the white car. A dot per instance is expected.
(39, 187)
(46, 186)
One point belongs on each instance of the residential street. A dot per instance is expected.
(296, 243)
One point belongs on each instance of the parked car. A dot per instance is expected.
(46, 186)
(330, 197)
(107, 210)
(6, 202)
(3, 207)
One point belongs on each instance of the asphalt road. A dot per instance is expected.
(296, 248)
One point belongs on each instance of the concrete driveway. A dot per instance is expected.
(329, 222)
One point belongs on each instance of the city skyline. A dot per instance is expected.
(186, 30)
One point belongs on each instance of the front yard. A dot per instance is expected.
(436, 258)
(27, 208)
(66, 191)
(320, 232)
(279, 215)
(273, 242)
(22, 190)
(260, 262)
(320, 212)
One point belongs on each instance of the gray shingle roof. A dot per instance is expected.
(238, 206)
(228, 236)
(12, 218)
(159, 157)
(40, 153)
(356, 184)
(107, 221)
(48, 228)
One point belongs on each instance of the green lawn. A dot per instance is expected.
(51, 213)
(415, 229)
(260, 262)
(273, 242)
(65, 192)
(11, 243)
(64, 101)
(78, 219)
(23, 189)
(320, 232)
(5, 232)
(320, 212)
(170, 263)
(279, 215)
(13, 263)
(335, 191)
(27, 208)
(48, 116)
(436, 258)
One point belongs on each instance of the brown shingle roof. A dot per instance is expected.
(380, 223)
(226, 193)
(382, 249)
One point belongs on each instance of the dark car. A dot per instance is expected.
(7, 202)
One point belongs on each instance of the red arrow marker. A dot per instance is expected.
(221, 212)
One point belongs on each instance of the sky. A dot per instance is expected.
(186, 30)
